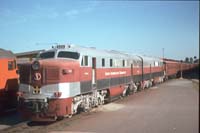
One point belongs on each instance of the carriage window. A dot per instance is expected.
(11, 65)
(111, 62)
(84, 61)
(103, 62)
(123, 63)
(67, 54)
(47, 55)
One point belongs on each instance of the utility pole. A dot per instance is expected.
(163, 52)
(181, 71)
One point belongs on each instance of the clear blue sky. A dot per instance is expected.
(139, 27)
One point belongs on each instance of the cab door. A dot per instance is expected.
(93, 71)
(132, 72)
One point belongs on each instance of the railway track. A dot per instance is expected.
(34, 127)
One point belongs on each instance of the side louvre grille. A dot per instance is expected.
(51, 75)
(24, 71)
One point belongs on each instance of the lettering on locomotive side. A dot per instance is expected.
(115, 73)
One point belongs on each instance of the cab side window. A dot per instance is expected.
(103, 62)
(123, 63)
(84, 61)
(111, 62)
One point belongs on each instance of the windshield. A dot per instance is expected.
(47, 55)
(67, 54)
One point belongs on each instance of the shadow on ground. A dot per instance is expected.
(10, 118)
(193, 74)
(32, 123)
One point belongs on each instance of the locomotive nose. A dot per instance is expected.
(36, 74)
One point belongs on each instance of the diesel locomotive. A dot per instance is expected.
(68, 78)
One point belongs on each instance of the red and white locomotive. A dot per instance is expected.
(66, 79)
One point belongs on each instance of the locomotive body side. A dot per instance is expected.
(153, 70)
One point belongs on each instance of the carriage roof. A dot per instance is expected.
(93, 52)
(6, 54)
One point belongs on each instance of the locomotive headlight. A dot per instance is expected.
(36, 65)
(67, 71)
